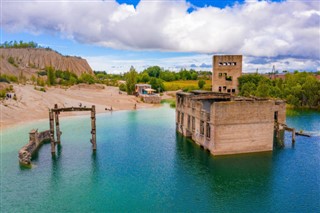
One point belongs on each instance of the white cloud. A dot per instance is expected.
(287, 29)
(202, 62)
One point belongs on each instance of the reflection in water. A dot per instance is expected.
(56, 161)
(141, 165)
(94, 167)
(231, 179)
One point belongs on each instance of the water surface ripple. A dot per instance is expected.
(142, 165)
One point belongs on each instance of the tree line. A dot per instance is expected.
(156, 76)
(20, 44)
(299, 89)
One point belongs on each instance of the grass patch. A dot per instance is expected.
(172, 102)
(185, 85)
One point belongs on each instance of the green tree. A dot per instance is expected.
(248, 89)
(131, 80)
(311, 91)
(51, 76)
(157, 84)
(263, 90)
(194, 76)
(153, 71)
(145, 78)
(201, 83)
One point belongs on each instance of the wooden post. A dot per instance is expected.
(57, 124)
(293, 135)
(51, 123)
(93, 127)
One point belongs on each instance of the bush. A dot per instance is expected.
(86, 78)
(123, 87)
(201, 83)
(11, 60)
(8, 78)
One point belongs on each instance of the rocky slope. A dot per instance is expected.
(31, 60)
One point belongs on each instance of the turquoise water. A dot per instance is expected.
(142, 165)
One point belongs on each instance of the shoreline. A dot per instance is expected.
(32, 105)
(65, 116)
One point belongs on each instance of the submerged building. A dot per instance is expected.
(224, 124)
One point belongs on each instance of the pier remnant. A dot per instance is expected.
(56, 110)
(36, 139)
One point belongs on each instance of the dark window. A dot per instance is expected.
(224, 88)
(193, 124)
(220, 75)
(234, 63)
(219, 89)
(201, 127)
(208, 130)
(276, 116)
(228, 90)
(220, 64)
(189, 121)
(233, 90)
(229, 78)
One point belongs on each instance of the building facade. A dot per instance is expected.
(226, 71)
(224, 124)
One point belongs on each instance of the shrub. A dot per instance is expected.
(201, 83)
(123, 87)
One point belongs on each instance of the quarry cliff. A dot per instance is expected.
(13, 61)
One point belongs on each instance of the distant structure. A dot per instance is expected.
(224, 124)
(226, 71)
(142, 88)
(147, 94)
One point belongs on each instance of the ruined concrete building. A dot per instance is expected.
(225, 124)
(226, 71)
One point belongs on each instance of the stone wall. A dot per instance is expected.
(151, 99)
(35, 141)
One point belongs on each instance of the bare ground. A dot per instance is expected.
(33, 105)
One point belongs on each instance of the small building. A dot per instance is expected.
(225, 73)
(146, 93)
(224, 124)
(142, 88)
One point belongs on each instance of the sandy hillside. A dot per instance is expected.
(33, 105)
(31, 60)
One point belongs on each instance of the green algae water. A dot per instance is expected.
(142, 165)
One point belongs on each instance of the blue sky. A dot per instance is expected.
(113, 35)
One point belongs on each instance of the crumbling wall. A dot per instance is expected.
(35, 141)
(151, 99)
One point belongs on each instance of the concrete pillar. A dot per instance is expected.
(51, 123)
(33, 135)
(57, 124)
(293, 135)
(93, 127)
